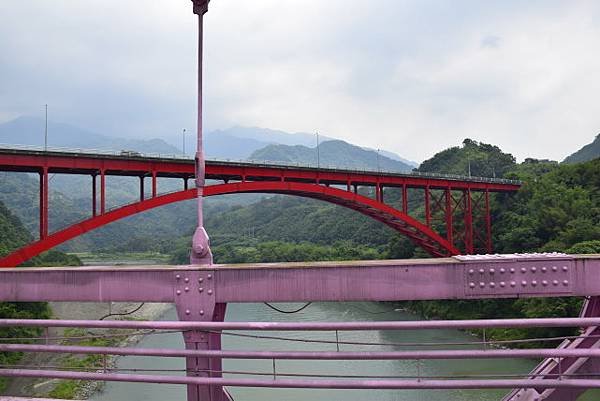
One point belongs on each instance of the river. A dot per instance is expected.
(319, 312)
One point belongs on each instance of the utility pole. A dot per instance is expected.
(318, 152)
(46, 131)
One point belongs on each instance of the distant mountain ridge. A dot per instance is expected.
(588, 152)
(335, 153)
(30, 131)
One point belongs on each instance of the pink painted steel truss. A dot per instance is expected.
(201, 294)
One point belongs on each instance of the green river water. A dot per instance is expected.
(320, 312)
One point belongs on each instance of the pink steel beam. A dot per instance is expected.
(420, 384)
(381, 280)
(313, 355)
(308, 326)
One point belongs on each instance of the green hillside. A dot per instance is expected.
(588, 152)
(335, 153)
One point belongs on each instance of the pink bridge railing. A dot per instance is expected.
(201, 294)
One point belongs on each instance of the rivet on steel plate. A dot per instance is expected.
(544, 282)
(200, 280)
(544, 269)
(471, 272)
(523, 270)
(482, 284)
(178, 292)
(512, 269)
(502, 284)
(201, 312)
(524, 283)
(502, 270)
(565, 282)
(492, 284)
(200, 289)
(565, 268)
(492, 271)
(209, 292)
(554, 282)
(186, 289)
(481, 271)
(554, 268)
(472, 285)
(534, 283)
(178, 276)
(187, 280)
(513, 283)
(533, 269)
(187, 311)
(209, 276)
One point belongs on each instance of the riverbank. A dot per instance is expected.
(70, 389)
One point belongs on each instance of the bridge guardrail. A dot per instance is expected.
(129, 153)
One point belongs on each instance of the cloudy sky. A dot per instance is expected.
(410, 76)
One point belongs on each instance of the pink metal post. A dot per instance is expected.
(201, 253)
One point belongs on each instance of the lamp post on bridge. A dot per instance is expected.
(183, 141)
(201, 253)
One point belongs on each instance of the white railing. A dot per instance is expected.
(266, 163)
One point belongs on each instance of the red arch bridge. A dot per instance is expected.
(201, 294)
(455, 211)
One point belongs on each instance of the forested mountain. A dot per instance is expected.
(588, 152)
(472, 158)
(331, 154)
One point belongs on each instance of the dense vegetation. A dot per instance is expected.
(12, 235)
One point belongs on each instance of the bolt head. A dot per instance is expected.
(187, 280)
(554, 268)
(544, 269)
(209, 292)
(513, 283)
(544, 282)
(524, 283)
(201, 312)
(187, 312)
(200, 280)
(209, 276)
(554, 282)
(471, 272)
(178, 276)
(523, 270)
(502, 270)
(471, 285)
(565, 282)
(502, 284)
(492, 271)
(512, 269)
(492, 285)
(186, 289)
(178, 292)
(200, 289)
(533, 269)
(565, 268)
(534, 283)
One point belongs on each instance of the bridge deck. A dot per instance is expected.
(64, 162)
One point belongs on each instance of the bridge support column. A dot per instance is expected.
(488, 223)
(44, 203)
(404, 199)
(94, 201)
(468, 211)
(195, 292)
(154, 186)
(142, 194)
(449, 217)
(102, 191)
(427, 207)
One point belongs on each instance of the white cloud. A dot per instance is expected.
(408, 76)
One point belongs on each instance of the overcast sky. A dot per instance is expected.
(409, 76)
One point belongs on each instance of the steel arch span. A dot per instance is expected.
(419, 233)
